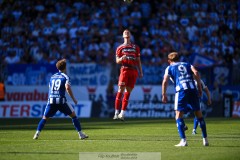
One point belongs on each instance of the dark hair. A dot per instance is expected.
(61, 64)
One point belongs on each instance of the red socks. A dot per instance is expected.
(125, 100)
(118, 100)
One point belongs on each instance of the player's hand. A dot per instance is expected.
(140, 75)
(75, 101)
(123, 57)
(209, 102)
(200, 93)
(164, 98)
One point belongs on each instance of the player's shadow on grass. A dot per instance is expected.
(14, 127)
(66, 123)
(223, 146)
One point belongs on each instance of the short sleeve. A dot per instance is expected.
(118, 52)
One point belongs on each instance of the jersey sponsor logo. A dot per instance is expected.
(140, 109)
(35, 95)
(131, 58)
(57, 76)
(129, 50)
(35, 109)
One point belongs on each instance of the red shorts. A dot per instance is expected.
(128, 77)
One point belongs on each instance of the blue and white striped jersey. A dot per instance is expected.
(181, 75)
(56, 94)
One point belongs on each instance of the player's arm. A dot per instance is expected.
(197, 77)
(209, 102)
(69, 91)
(205, 88)
(119, 57)
(139, 63)
(164, 86)
(140, 67)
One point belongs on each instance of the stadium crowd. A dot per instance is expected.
(89, 31)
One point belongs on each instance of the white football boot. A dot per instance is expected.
(205, 142)
(194, 132)
(36, 135)
(121, 117)
(82, 135)
(115, 117)
(182, 143)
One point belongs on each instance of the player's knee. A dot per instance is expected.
(126, 96)
(46, 118)
(74, 117)
(198, 114)
(178, 114)
(129, 89)
(73, 114)
(121, 89)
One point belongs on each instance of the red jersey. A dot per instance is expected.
(132, 52)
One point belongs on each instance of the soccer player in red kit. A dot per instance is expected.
(128, 55)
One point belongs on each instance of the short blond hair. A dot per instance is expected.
(61, 64)
(174, 57)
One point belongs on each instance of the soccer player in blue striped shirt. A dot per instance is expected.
(58, 85)
(209, 102)
(186, 96)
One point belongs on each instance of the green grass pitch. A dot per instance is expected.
(59, 140)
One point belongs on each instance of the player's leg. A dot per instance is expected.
(125, 102)
(194, 100)
(195, 125)
(130, 80)
(77, 125)
(181, 130)
(196, 122)
(202, 123)
(121, 88)
(50, 110)
(180, 102)
(118, 101)
(41, 124)
(67, 109)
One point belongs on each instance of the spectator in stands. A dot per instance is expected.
(2, 90)
(184, 25)
(12, 58)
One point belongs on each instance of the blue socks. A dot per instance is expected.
(195, 123)
(203, 127)
(41, 124)
(180, 126)
(76, 123)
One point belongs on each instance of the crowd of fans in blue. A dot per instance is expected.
(85, 31)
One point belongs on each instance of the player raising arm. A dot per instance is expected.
(186, 96)
(59, 83)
